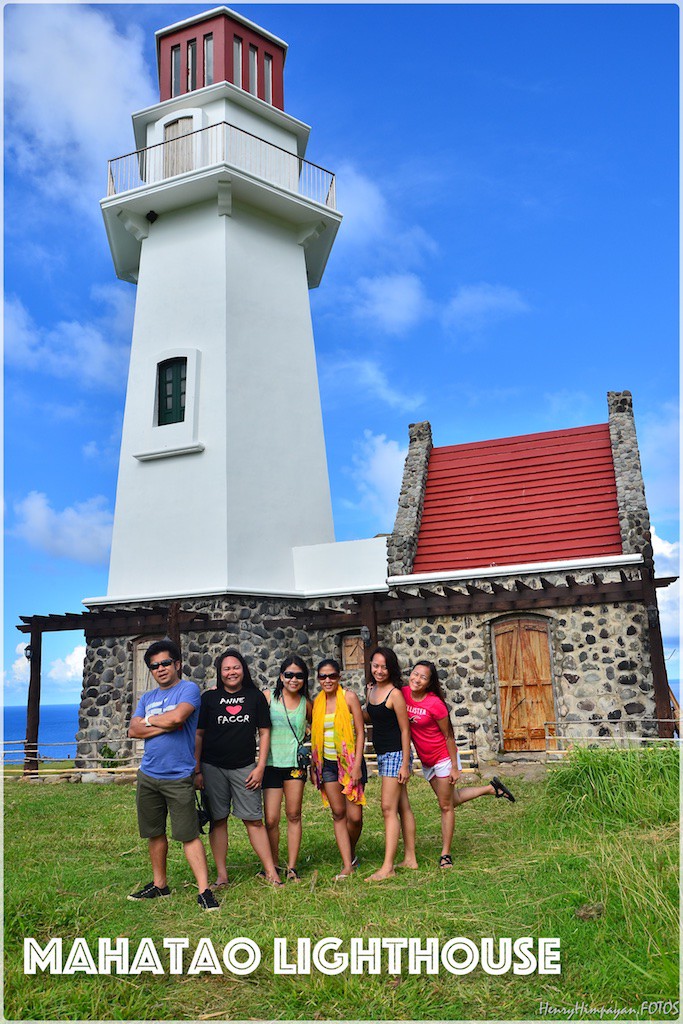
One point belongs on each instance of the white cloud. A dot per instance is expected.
(377, 471)
(659, 440)
(571, 408)
(89, 353)
(70, 668)
(107, 451)
(71, 82)
(394, 303)
(667, 554)
(82, 533)
(364, 379)
(477, 306)
(371, 222)
(366, 212)
(21, 667)
(667, 563)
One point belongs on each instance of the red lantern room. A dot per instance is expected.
(220, 46)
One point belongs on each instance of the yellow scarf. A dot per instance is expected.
(345, 745)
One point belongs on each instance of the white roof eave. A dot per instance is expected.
(523, 568)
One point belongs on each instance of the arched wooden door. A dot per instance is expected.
(525, 684)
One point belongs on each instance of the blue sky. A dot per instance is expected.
(509, 180)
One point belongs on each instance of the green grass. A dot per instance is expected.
(72, 854)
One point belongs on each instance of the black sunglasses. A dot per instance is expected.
(293, 675)
(328, 675)
(154, 665)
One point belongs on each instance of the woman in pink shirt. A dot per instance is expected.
(432, 736)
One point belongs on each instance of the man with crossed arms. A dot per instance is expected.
(166, 719)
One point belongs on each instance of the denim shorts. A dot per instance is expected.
(389, 764)
(331, 771)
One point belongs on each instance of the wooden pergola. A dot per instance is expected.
(168, 620)
(365, 612)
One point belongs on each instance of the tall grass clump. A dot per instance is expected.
(616, 786)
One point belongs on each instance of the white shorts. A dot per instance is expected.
(442, 769)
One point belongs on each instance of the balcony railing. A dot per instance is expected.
(221, 143)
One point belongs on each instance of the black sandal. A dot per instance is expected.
(292, 875)
(445, 860)
(502, 790)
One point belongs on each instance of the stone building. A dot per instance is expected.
(522, 567)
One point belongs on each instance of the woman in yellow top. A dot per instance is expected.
(337, 764)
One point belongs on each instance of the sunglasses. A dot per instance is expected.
(154, 665)
(328, 675)
(293, 675)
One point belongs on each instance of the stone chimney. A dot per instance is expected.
(634, 518)
(403, 542)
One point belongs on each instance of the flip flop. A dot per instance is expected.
(262, 874)
(341, 878)
(218, 885)
(292, 875)
(502, 790)
(445, 860)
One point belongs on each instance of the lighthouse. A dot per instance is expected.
(223, 226)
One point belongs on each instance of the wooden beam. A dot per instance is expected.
(368, 615)
(33, 703)
(172, 624)
(659, 677)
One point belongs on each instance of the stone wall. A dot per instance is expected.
(107, 695)
(403, 541)
(602, 676)
(600, 655)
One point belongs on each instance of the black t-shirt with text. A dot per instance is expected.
(230, 720)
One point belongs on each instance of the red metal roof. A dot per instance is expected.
(534, 498)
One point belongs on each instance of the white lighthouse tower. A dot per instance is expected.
(224, 226)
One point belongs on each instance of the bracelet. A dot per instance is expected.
(198, 771)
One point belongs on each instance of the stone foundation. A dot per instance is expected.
(600, 661)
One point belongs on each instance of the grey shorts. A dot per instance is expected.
(156, 798)
(225, 793)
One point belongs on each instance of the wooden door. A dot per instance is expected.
(525, 687)
(178, 145)
(142, 679)
(353, 652)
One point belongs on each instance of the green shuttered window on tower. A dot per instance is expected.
(171, 384)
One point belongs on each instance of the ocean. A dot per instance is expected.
(58, 724)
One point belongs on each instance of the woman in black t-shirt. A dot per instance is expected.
(226, 767)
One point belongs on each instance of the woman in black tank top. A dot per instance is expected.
(385, 709)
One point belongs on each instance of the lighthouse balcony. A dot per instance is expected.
(227, 166)
(221, 144)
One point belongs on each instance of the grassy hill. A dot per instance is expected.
(589, 855)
